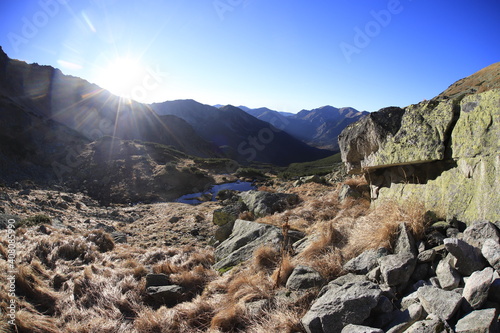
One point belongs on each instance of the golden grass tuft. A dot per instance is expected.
(36, 291)
(266, 258)
(283, 271)
(229, 319)
(102, 239)
(28, 322)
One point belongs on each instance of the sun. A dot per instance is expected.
(123, 77)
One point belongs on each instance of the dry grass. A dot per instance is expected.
(75, 280)
(266, 258)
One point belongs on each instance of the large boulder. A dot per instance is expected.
(467, 258)
(262, 203)
(245, 239)
(443, 152)
(351, 303)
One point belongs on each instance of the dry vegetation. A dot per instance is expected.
(76, 280)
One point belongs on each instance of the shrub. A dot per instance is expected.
(34, 220)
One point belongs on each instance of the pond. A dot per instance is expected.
(193, 198)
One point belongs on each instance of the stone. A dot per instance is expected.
(396, 269)
(404, 319)
(405, 243)
(426, 256)
(347, 191)
(351, 303)
(304, 277)
(468, 258)
(365, 262)
(119, 237)
(477, 287)
(165, 295)
(224, 231)
(480, 321)
(479, 232)
(439, 302)
(448, 277)
(105, 227)
(360, 329)
(265, 203)
(491, 251)
(245, 239)
(156, 280)
(228, 214)
(429, 325)
(409, 300)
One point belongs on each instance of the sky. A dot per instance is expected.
(284, 55)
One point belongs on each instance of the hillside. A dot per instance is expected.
(93, 112)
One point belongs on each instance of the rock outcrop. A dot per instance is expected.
(444, 152)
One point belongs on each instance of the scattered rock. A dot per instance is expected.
(304, 277)
(405, 242)
(105, 227)
(165, 295)
(360, 329)
(351, 303)
(477, 287)
(396, 269)
(174, 219)
(365, 262)
(431, 324)
(347, 191)
(265, 203)
(491, 251)
(426, 256)
(448, 277)
(404, 319)
(119, 237)
(479, 232)
(157, 280)
(442, 303)
(480, 321)
(468, 258)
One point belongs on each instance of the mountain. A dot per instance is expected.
(46, 93)
(318, 127)
(240, 135)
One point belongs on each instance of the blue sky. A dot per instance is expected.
(285, 55)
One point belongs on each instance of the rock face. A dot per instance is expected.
(444, 152)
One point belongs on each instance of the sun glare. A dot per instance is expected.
(124, 77)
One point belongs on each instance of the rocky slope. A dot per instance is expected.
(444, 152)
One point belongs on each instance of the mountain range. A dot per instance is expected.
(318, 127)
(47, 119)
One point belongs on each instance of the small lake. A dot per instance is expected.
(192, 198)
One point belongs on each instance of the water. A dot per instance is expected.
(192, 198)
